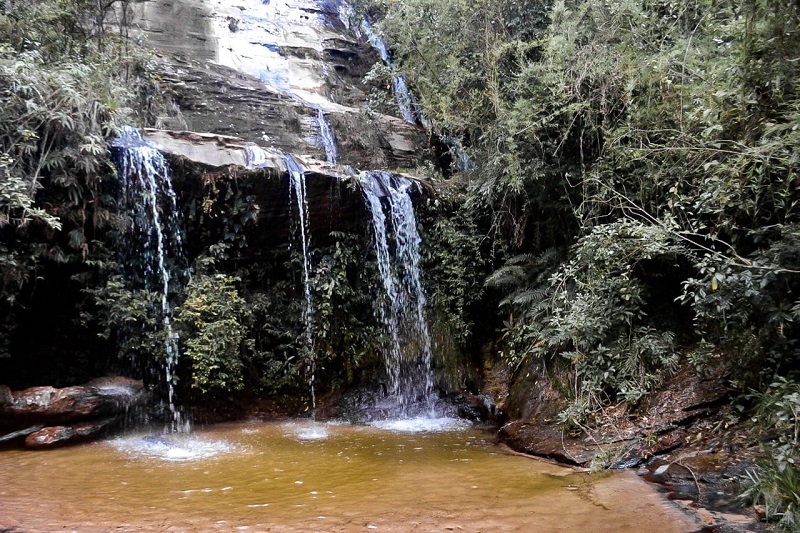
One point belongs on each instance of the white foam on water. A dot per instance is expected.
(308, 430)
(421, 425)
(170, 448)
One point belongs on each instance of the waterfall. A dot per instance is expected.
(255, 156)
(388, 306)
(461, 159)
(328, 141)
(148, 195)
(297, 181)
(402, 308)
(408, 105)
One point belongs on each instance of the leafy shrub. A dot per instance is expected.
(129, 319)
(214, 336)
(591, 312)
(347, 336)
(776, 482)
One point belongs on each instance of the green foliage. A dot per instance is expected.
(776, 486)
(747, 308)
(280, 357)
(58, 28)
(52, 129)
(213, 329)
(631, 136)
(347, 338)
(778, 408)
(700, 356)
(222, 211)
(66, 85)
(592, 313)
(63, 92)
(776, 482)
(16, 204)
(454, 264)
(128, 318)
(473, 67)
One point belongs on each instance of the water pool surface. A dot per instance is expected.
(306, 476)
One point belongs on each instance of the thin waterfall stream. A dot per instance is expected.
(148, 198)
(297, 181)
(258, 157)
(328, 140)
(407, 103)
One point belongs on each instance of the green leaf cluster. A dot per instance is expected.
(775, 483)
(212, 322)
(65, 87)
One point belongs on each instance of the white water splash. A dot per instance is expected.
(307, 430)
(170, 447)
(422, 425)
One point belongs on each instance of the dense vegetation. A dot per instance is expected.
(633, 205)
(65, 85)
(69, 80)
(638, 162)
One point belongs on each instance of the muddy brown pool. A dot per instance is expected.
(304, 476)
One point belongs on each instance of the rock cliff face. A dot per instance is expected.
(333, 192)
(269, 72)
(275, 77)
(254, 82)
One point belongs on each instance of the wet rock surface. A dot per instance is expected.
(48, 416)
(545, 439)
(687, 439)
(14, 435)
(54, 436)
(333, 193)
(264, 71)
(52, 405)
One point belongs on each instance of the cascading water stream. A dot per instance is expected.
(402, 311)
(297, 181)
(328, 141)
(408, 243)
(276, 76)
(408, 105)
(148, 195)
(257, 157)
(388, 305)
